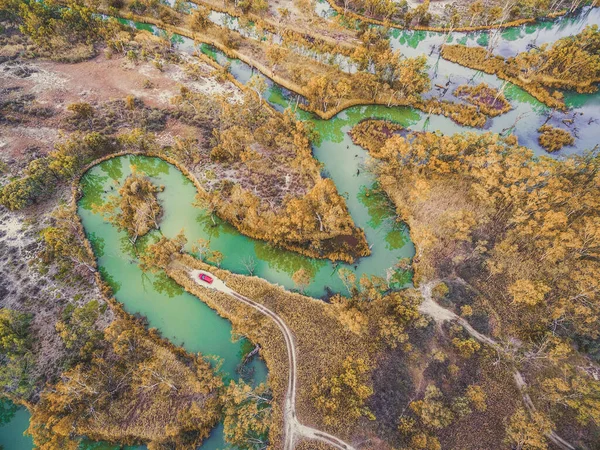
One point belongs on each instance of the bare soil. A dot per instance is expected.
(43, 292)
(44, 89)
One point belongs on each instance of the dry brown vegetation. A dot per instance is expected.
(514, 239)
(463, 114)
(273, 189)
(553, 139)
(136, 388)
(571, 63)
(490, 101)
(372, 134)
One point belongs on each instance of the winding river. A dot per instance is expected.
(182, 318)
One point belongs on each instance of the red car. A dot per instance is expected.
(205, 278)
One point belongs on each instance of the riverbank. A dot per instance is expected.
(323, 343)
(448, 29)
(389, 98)
(481, 59)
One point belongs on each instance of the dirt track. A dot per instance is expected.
(441, 314)
(293, 429)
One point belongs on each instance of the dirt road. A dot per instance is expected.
(441, 314)
(293, 429)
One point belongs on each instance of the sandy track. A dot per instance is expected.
(293, 429)
(441, 314)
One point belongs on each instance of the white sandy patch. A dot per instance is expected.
(45, 80)
(165, 139)
(436, 7)
(165, 97)
(12, 225)
(207, 85)
(43, 134)
(149, 71)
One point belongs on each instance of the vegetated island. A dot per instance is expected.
(136, 209)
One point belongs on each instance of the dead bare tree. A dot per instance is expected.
(249, 263)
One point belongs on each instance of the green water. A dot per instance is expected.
(178, 315)
(13, 423)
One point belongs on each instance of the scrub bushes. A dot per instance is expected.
(342, 396)
(42, 175)
(553, 139)
(490, 101)
(109, 117)
(66, 34)
(15, 353)
(155, 8)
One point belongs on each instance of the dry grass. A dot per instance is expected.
(322, 341)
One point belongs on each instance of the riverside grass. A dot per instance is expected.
(323, 342)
